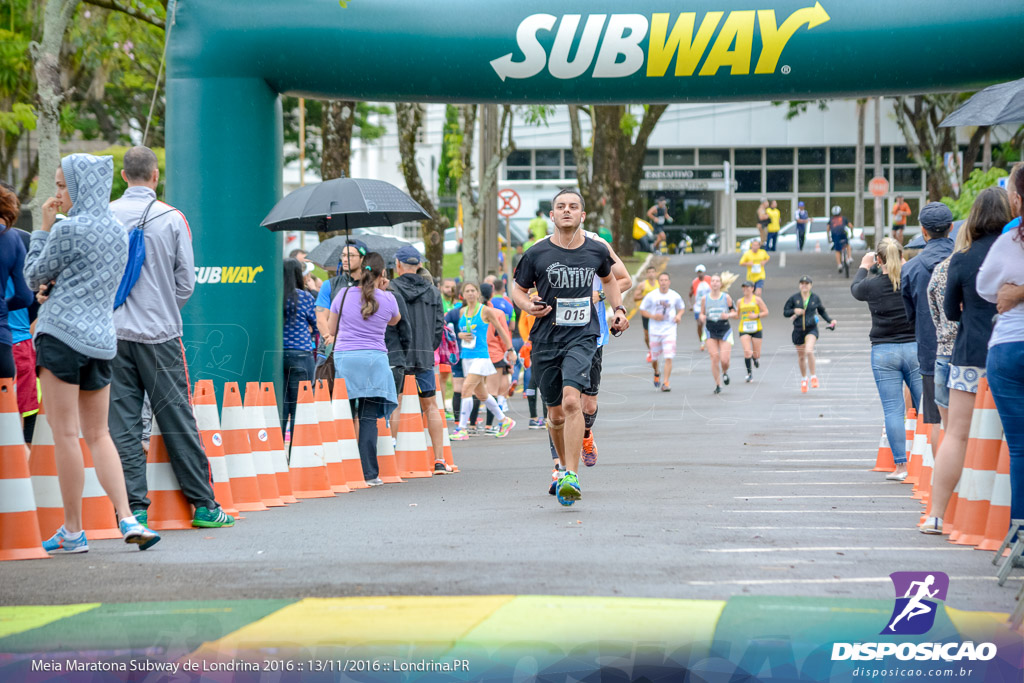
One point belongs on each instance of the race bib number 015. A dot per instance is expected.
(573, 312)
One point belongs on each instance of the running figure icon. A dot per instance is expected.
(916, 607)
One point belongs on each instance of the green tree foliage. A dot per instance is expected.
(979, 180)
(364, 128)
(117, 151)
(447, 178)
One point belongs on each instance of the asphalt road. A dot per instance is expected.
(761, 490)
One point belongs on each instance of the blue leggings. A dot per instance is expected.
(1005, 370)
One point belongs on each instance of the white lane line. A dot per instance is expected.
(811, 483)
(816, 441)
(819, 450)
(834, 469)
(820, 528)
(900, 495)
(838, 548)
(814, 460)
(782, 582)
(838, 512)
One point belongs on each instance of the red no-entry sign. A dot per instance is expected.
(510, 202)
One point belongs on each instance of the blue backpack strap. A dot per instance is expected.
(136, 257)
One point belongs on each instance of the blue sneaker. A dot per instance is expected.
(134, 532)
(568, 489)
(63, 543)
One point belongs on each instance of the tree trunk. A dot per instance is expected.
(918, 118)
(973, 149)
(879, 202)
(46, 55)
(858, 197)
(336, 159)
(410, 122)
(470, 212)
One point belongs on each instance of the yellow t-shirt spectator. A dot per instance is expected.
(538, 228)
(774, 216)
(754, 261)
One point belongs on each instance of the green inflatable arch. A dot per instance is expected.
(229, 60)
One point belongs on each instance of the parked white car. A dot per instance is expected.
(816, 234)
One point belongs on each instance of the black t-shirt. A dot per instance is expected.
(564, 279)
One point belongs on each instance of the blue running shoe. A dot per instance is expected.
(61, 542)
(568, 489)
(134, 532)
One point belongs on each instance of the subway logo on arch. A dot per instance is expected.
(614, 44)
(213, 275)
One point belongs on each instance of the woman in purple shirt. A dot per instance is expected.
(359, 316)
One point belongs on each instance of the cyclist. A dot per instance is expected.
(839, 238)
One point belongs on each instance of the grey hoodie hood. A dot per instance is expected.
(89, 179)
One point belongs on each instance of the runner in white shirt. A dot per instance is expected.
(664, 308)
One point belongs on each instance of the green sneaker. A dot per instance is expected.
(212, 519)
(568, 489)
(142, 517)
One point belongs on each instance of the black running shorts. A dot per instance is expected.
(595, 373)
(800, 336)
(68, 365)
(564, 364)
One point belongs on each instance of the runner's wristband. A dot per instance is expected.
(620, 308)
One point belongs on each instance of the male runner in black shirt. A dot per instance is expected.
(564, 336)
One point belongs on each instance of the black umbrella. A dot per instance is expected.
(327, 254)
(1000, 103)
(343, 204)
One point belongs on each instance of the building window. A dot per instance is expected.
(811, 180)
(901, 155)
(540, 164)
(513, 174)
(869, 155)
(779, 180)
(547, 157)
(842, 179)
(746, 212)
(748, 181)
(780, 156)
(810, 156)
(520, 157)
(747, 157)
(679, 157)
(651, 157)
(907, 180)
(842, 156)
(815, 206)
(713, 157)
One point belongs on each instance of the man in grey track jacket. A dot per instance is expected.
(150, 356)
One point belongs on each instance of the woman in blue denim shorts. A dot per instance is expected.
(990, 212)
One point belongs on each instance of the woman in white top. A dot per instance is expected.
(1001, 281)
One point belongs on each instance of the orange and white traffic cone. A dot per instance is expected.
(266, 477)
(345, 431)
(168, 507)
(19, 527)
(245, 489)
(915, 455)
(98, 518)
(278, 456)
(204, 408)
(449, 458)
(910, 428)
(387, 468)
(306, 464)
(998, 521)
(979, 473)
(332, 453)
(411, 449)
(884, 462)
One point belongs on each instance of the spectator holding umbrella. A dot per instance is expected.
(359, 316)
(990, 212)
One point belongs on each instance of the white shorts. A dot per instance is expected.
(478, 366)
(663, 346)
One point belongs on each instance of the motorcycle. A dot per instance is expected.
(713, 243)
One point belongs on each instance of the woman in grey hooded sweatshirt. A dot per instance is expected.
(78, 262)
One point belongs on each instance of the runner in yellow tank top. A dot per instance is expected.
(751, 308)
